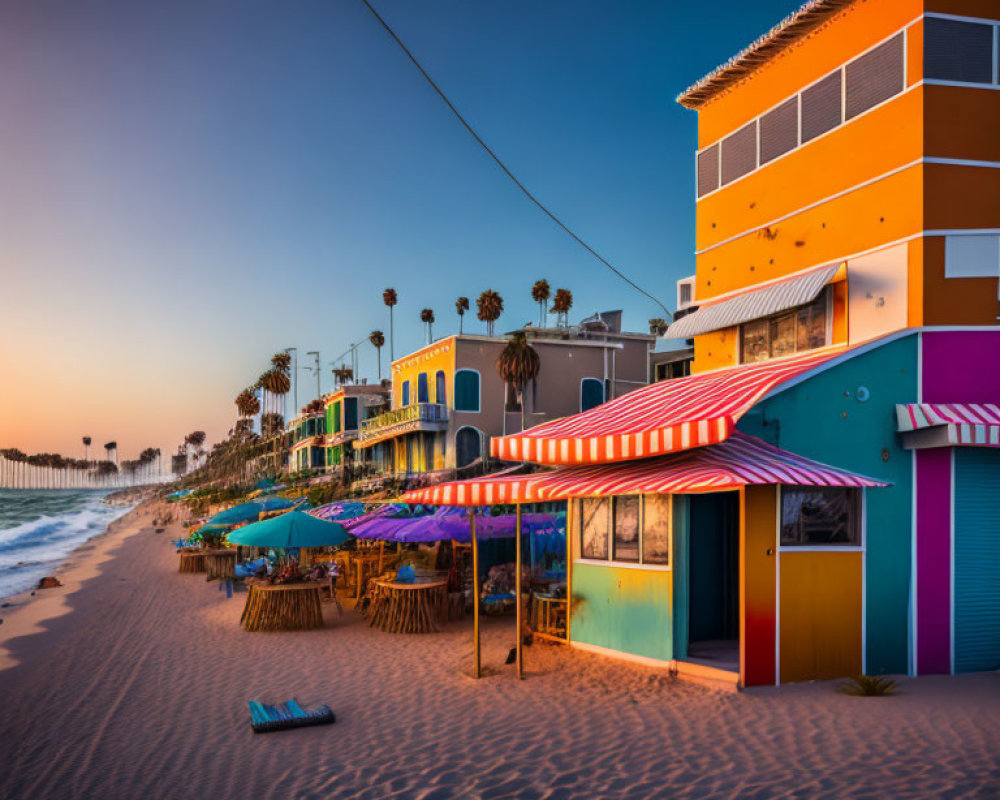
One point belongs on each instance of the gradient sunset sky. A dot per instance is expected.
(189, 186)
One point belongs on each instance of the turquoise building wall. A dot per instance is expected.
(825, 418)
(624, 609)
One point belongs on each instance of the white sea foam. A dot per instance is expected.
(35, 534)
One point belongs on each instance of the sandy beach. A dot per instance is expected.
(137, 687)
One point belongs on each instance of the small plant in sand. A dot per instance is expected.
(867, 686)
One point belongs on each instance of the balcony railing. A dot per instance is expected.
(419, 416)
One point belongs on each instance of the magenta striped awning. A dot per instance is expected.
(741, 460)
(976, 424)
(662, 418)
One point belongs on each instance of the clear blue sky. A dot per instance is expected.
(191, 185)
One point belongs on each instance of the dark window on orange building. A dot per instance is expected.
(708, 170)
(958, 51)
(874, 77)
(821, 107)
(779, 130)
(739, 153)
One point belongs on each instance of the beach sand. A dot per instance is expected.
(137, 688)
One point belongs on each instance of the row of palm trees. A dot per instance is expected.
(489, 307)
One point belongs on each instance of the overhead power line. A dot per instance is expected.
(503, 166)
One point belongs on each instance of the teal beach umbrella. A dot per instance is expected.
(250, 511)
(294, 529)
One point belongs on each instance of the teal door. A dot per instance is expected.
(977, 559)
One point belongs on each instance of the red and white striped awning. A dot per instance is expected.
(485, 491)
(976, 424)
(662, 418)
(741, 460)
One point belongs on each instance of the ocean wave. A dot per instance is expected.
(31, 548)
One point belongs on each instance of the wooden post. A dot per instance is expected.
(381, 551)
(477, 669)
(517, 593)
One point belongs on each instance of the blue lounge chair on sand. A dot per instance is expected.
(265, 719)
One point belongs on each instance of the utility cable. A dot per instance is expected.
(503, 166)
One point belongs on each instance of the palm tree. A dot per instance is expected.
(427, 317)
(490, 307)
(390, 299)
(277, 383)
(461, 306)
(108, 448)
(247, 403)
(377, 338)
(540, 293)
(282, 362)
(343, 374)
(561, 305)
(86, 448)
(195, 440)
(517, 364)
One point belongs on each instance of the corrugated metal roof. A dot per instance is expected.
(753, 304)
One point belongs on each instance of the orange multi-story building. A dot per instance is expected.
(848, 180)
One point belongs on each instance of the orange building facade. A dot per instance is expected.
(867, 139)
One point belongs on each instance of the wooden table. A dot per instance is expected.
(191, 561)
(220, 564)
(282, 607)
(408, 607)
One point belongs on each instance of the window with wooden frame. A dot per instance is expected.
(794, 331)
(626, 529)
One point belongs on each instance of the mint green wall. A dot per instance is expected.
(823, 419)
(623, 609)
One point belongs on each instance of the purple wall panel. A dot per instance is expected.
(961, 367)
(933, 560)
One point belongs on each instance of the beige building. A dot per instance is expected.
(448, 400)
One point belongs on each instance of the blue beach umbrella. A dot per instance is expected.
(294, 529)
(245, 512)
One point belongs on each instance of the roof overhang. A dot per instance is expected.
(789, 31)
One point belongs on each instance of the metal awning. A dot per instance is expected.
(755, 303)
(661, 418)
(948, 424)
(741, 460)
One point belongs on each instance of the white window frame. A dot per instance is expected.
(577, 534)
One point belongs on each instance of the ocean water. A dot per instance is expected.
(38, 529)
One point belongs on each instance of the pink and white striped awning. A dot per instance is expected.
(662, 418)
(976, 424)
(741, 460)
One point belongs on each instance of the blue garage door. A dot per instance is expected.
(977, 559)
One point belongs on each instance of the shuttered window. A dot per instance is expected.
(977, 559)
(821, 107)
(779, 130)
(739, 153)
(874, 77)
(708, 170)
(958, 51)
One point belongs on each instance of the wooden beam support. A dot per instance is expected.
(477, 668)
(517, 572)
